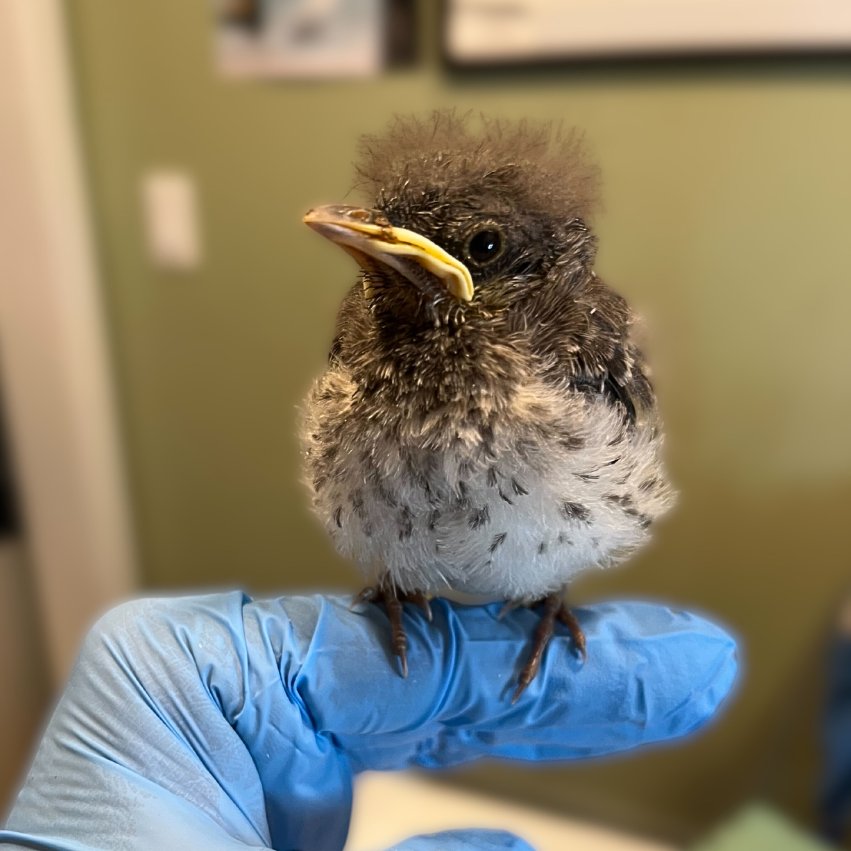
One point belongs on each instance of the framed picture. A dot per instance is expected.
(522, 31)
(312, 38)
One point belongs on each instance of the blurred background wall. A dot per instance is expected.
(66, 549)
(727, 201)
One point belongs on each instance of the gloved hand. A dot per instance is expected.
(218, 722)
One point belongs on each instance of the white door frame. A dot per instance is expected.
(53, 361)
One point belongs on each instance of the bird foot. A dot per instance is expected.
(554, 609)
(388, 596)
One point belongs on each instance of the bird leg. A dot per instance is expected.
(387, 595)
(554, 609)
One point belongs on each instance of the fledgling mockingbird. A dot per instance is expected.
(485, 425)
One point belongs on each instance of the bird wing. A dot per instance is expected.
(633, 391)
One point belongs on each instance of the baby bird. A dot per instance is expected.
(485, 426)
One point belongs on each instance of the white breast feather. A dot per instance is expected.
(515, 525)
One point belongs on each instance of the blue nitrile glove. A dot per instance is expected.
(217, 722)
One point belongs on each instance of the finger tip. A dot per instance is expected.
(678, 669)
(710, 661)
(728, 678)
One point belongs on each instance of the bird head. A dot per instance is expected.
(466, 218)
(475, 241)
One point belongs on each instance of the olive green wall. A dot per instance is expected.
(728, 194)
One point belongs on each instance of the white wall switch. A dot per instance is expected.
(172, 231)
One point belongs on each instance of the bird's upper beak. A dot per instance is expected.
(368, 234)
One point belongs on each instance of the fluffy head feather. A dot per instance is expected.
(545, 167)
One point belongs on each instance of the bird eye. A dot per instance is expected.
(484, 246)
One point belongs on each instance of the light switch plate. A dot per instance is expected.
(172, 230)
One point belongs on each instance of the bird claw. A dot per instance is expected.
(419, 599)
(387, 596)
(554, 609)
(569, 620)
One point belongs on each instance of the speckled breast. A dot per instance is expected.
(558, 484)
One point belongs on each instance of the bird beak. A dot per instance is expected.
(368, 234)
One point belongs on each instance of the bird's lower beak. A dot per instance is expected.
(368, 234)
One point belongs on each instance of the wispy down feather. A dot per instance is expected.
(547, 164)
